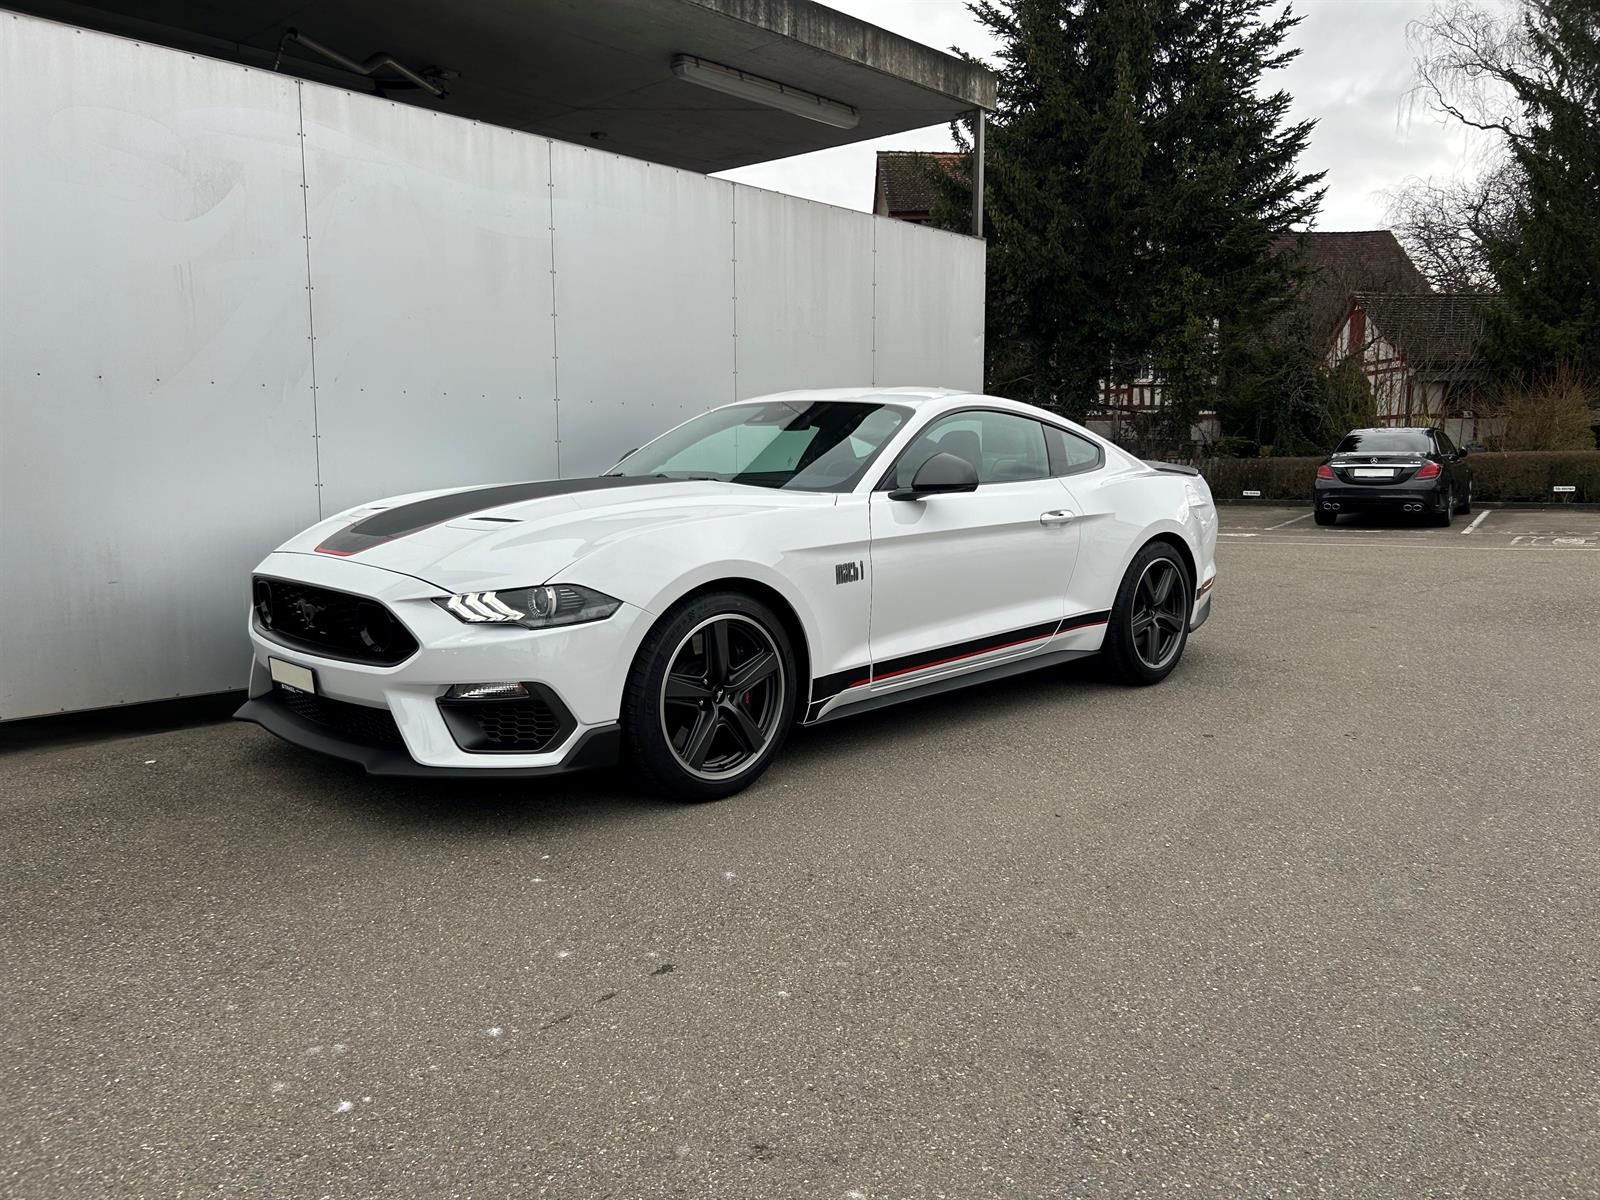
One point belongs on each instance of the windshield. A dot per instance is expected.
(823, 447)
(1385, 441)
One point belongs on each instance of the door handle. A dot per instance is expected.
(1056, 516)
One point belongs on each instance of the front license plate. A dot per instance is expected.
(1373, 472)
(296, 679)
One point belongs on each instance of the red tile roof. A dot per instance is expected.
(906, 181)
(1439, 332)
(1343, 263)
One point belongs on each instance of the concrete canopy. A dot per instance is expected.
(596, 72)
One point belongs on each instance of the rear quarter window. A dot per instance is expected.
(1070, 453)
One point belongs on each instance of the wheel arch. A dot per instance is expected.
(1191, 568)
(780, 604)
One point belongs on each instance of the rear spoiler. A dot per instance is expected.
(1172, 468)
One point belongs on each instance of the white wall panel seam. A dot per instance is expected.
(311, 292)
(733, 251)
(874, 302)
(555, 343)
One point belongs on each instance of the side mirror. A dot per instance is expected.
(1461, 452)
(940, 474)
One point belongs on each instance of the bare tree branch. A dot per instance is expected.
(1445, 226)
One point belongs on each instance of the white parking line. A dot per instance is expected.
(1517, 545)
(1477, 522)
(1290, 521)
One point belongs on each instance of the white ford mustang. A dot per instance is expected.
(783, 560)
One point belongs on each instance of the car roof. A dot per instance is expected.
(933, 398)
(887, 395)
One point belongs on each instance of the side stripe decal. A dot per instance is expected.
(1084, 620)
(825, 687)
(909, 663)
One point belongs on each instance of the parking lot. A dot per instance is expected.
(1319, 916)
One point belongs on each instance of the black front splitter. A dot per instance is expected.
(594, 748)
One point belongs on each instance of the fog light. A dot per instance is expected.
(487, 691)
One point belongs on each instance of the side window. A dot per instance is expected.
(1002, 447)
(1070, 453)
(1446, 446)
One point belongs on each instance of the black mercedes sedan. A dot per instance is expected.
(1395, 470)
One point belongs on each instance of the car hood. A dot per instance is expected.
(514, 535)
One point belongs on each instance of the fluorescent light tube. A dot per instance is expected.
(734, 82)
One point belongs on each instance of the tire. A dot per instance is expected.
(701, 739)
(1466, 505)
(1132, 655)
(1447, 510)
(1325, 518)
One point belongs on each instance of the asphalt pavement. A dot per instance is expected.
(1319, 916)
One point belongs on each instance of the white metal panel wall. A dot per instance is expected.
(430, 263)
(155, 412)
(173, 228)
(644, 301)
(928, 305)
(803, 277)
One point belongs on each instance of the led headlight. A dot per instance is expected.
(531, 607)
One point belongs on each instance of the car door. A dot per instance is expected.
(1450, 459)
(964, 580)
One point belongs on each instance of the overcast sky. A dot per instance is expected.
(1351, 77)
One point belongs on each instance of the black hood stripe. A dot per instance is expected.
(397, 522)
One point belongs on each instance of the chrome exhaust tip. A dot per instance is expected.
(1329, 506)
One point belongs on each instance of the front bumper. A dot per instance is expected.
(389, 718)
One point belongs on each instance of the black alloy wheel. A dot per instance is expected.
(1160, 613)
(710, 698)
(1149, 624)
(1466, 505)
(722, 696)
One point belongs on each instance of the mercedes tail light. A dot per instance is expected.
(1324, 472)
(1430, 470)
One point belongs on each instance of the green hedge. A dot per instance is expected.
(1521, 476)
(1274, 478)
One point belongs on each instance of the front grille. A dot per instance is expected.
(354, 722)
(332, 624)
(528, 726)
